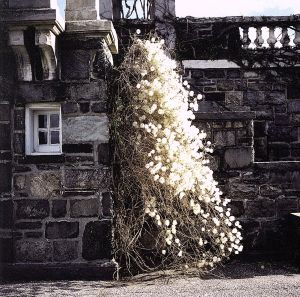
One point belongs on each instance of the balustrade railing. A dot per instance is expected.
(260, 35)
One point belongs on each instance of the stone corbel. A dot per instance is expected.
(16, 42)
(45, 40)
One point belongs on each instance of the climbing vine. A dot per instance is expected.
(169, 212)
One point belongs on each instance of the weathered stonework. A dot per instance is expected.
(56, 211)
(49, 203)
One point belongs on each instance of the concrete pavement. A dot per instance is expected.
(234, 280)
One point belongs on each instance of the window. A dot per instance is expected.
(43, 129)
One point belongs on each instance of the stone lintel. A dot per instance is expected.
(95, 29)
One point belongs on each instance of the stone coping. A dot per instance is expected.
(241, 19)
(95, 28)
(278, 165)
(25, 17)
(226, 115)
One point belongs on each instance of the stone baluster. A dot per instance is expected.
(252, 37)
(297, 36)
(285, 39)
(245, 37)
(259, 38)
(272, 39)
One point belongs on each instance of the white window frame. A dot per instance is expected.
(32, 146)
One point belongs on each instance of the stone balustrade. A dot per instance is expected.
(271, 36)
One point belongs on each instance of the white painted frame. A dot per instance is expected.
(31, 129)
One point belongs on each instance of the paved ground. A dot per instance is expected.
(235, 280)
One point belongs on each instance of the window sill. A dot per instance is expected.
(44, 154)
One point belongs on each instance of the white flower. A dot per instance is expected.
(138, 31)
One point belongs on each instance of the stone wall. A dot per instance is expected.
(56, 210)
(6, 123)
(276, 103)
(250, 119)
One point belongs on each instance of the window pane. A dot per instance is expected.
(54, 137)
(42, 121)
(54, 120)
(43, 137)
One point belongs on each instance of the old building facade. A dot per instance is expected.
(56, 204)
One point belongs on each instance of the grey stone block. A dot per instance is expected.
(215, 73)
(28, 225)
(225, 85)
(65, 251)
(239, 157)
(76, 64)
(33, 251)
(278, 151)
(237, 208)
(6, 214)
(294, 106)
(62, 229)
(38, 92)
(96, 90)
(45, 184)
(234, 98)
(285, 206)
(224, 138)
(5, 180)
(19, 182)
(19, 143)
(32, 209)
(84, 208)
(250, 74)
(107, 204)
(233, 73)
(253, 98)
(260, 208)
(196, 73)
(269, 191)
(4, 112)
(4, 136)
(275, 98)
(104, 153)
(33, 234)
(85, 128)
(87, 178)
(99, 107)
(6, 250)
(96, 242)
(59, 208)
(84, 107)
(69, 107)
(19, 119)
(242, 190)
(29, 4)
